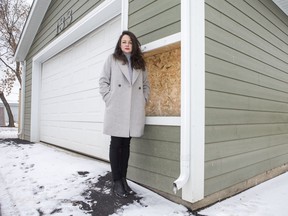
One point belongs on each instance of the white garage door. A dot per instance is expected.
(71, 108)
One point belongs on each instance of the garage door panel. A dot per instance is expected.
(71, 108)
(95, 40)
(76, 136)
(73, 131)
(90, 116)
(83, 103)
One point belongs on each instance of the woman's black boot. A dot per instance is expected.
(118, 189)
(127, 189)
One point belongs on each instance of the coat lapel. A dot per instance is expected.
(124, 70)
(135, 75)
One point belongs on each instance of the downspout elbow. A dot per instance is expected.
(185, 156)
(184, 173)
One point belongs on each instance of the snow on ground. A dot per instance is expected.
(36, 179)
(266, 199)
(6, 132)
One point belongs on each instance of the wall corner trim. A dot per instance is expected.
(191, 178)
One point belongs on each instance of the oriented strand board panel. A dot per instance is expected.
(164, 71)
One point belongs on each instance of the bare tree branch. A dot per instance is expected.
(13, 14)
(7, 65)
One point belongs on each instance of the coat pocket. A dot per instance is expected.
(107, 98)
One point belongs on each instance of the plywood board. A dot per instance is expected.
(164, 72)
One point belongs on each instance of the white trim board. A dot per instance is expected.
(191, 178)
(100, 15)
(161, 42)
(167, 121)
(125, 15)
(163, 120)
(31, 26)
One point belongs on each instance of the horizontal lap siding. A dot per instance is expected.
(246, 91)
(47, 33)
(154, 159)
(151, 20)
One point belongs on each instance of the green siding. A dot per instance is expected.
(246, 91)
(154, 159)
(151, 20)
(46, 34)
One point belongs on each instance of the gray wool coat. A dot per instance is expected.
(125, 100)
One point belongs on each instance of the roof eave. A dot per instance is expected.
(283, 5)
(32, 24)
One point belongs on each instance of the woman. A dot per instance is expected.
(125, 89)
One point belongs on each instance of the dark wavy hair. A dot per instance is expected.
(137, 60)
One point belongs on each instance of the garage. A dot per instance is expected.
(71, 108)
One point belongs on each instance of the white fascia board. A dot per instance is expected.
(32, 24)
(100, 15)
(283, 5)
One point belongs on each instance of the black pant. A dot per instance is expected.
(119, 156)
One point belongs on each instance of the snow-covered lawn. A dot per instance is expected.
(6, 132)
(38, 179)
(266, 199)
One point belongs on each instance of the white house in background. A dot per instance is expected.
(217, 120)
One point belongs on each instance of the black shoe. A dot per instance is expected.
(118, 189)
(127, 189)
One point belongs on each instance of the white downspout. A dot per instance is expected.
(20, 134)
(191, 178)
(185, 99)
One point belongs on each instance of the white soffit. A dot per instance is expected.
(36, 15)
(283, 5)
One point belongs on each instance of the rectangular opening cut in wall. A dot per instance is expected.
(164, 73)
